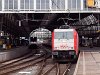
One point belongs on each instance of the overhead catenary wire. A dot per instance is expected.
(64, 15)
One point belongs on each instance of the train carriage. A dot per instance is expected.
(39, 36)
(65, 45)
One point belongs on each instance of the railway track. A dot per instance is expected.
(20, 64)
(62, 69)
(6, 63)
(19, 60)
(8, 69)
(43, 61)
(53, 69)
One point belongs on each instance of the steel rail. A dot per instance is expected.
(49, 69)
(67, 69)
(21, 66)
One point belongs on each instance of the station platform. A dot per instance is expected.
(88, 62)
(10, 54)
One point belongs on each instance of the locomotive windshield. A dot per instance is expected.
(64, 35)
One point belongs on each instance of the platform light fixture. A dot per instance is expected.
(1, 33)
(19, 23)
(24, 72)
(82, 37)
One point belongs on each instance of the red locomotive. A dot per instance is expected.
(65, 45)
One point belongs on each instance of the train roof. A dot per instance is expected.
(62, 30)
(64, 27)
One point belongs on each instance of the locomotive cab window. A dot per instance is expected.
(58, 35)
(33, 39)
(69, 35)
(64, 35)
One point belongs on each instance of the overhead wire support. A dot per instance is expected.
(64, 14)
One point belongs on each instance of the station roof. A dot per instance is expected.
(29, 22)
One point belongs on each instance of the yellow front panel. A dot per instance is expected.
(90, 3)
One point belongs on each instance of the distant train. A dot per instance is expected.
(39, 36)
(65, 46)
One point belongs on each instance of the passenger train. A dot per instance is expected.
(39, 36)
(65, 45)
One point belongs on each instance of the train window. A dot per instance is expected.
(59, 35)
(68, 35)
(33, 39)
(63, 35)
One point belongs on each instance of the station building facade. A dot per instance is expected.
(49, 6)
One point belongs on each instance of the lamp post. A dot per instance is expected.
(1, 32)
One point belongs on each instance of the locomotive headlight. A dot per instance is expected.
(71, 53)
(71, 47)
(55, 53)
(56, 48)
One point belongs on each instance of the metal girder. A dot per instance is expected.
(9, 24)
(24, 25)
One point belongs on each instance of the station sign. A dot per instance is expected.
(93, 3)
(98, 31)
(90, 3)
